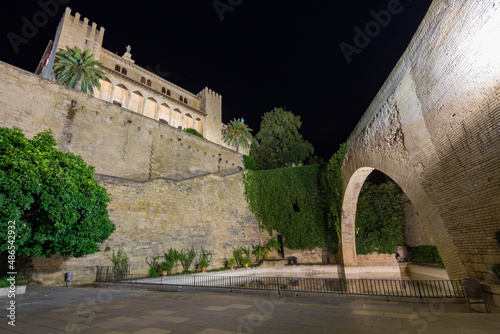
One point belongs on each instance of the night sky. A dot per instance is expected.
(256, 54)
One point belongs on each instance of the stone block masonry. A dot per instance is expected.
(434, 128)
(155, 215)
(169, 188)
(115, 140)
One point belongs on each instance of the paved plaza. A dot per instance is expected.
(120, 310)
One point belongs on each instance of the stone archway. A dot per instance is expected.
(434, 130)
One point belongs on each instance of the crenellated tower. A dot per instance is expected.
(72, 32)
(211, 104)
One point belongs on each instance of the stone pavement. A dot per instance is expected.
(121, 310)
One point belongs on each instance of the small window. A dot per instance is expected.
(117, 68)
(163, 121)
(124, 71)
(179, 127)
(163, 90)
(143, 80)
(168, 92)
(181, 98)
(117, 103)
(148, 83)
(185, 100)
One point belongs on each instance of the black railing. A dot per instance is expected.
(370, 287)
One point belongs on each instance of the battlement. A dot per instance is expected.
(207, 91)
(75, 20)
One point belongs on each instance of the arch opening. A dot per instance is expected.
(380, 225)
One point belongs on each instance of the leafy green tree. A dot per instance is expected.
(279, 142)
(57, 206)
(249, 163)
(237, 134)
(78, 70)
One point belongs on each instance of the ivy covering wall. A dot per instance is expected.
(288, 200)
(303, 204)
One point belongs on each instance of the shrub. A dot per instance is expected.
(193, 131)
(231, 262)
(154, 266)
(238, 255)
(205, 258)
(120, 260)
(187, 257)
(4, 283)
(424, 255)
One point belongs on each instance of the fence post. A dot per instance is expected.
(278, 283)
(419, 293)
(230, 285)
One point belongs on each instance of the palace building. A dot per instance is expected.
(133, 87)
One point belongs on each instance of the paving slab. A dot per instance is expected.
(124, 310)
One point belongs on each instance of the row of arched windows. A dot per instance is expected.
(135, 101)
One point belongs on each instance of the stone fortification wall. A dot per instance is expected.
(155, 215)
(167, 186)
(115, 140)
(434, 128)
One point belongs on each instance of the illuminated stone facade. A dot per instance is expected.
(135, 88)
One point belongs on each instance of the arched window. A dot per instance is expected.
(117, 68)
(185, 100)
(124, 71)
(143, 80)
(188, 121)
(136, 102)
(163, 121)
(168, 92)
(150, 108)
(148, 83)
(164, 112)
(177, 118)
(120, 95)
(163, 90)
(181, 98)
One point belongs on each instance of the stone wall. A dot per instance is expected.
(434, 128)
(153, 216)
(169, 188)
(117, 141)
(414, 230)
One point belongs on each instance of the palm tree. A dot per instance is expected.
(78, 70)
(237, 133)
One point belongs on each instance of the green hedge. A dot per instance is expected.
(424, 255)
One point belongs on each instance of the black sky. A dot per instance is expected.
(263, 54)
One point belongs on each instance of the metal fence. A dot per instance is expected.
(370, 287)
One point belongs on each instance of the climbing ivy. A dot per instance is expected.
(303, 204)
(379, 218)
(330, 180)
(288, 200)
